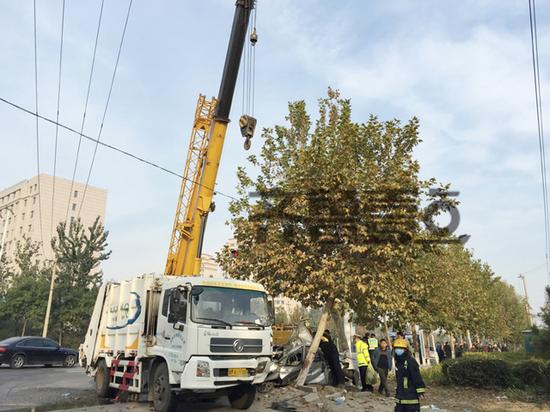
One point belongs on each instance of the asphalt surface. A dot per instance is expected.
(34, 386)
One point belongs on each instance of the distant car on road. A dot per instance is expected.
(32, 350)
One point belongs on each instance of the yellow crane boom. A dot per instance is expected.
(204, 154)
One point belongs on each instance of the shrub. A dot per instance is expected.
(478, 372)
(489, 371)
(434, 375)
(530, 373)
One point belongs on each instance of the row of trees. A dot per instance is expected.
(336, 221)
(25, 283)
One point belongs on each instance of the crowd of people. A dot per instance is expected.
(444, 351)
(377, 356)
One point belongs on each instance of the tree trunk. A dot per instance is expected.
(61, 335)
(416, 344)
(24, 327)
(340, 331)
(432, 337)
(388, 337)
(315, 344)
(452, 346)
(469, 337)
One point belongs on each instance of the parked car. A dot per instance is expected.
(32, 350)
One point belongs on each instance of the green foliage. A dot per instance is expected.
(461, 293)
(530, 373)
(25, 292)
(477, 372)
(498, 371)
(541, 339)
(338, 214)
(434, 375)
(78, 253)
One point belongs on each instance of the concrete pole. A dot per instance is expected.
(4, 232)
(527, 307)
(49, 306)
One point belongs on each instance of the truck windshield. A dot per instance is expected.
(219, 305)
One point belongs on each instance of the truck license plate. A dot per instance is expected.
(237, 372)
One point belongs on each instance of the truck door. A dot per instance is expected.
(171, 327)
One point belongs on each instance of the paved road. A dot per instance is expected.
(23, 389)
(35, 386)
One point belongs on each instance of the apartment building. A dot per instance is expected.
(210, 268)
(20, 215)
(287, 305)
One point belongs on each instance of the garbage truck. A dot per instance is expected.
(168, 338)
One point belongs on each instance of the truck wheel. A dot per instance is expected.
(102, 388)
(242, 397)
(164, 400)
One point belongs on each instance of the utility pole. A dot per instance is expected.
(49, 306)
(4, 232)
(527, 307)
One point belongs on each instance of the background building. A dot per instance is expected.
(24, 220)
(287, 305)
(210, 268)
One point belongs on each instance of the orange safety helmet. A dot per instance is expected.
(400, 343)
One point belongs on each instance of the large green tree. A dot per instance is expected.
(337, 213)
(25, 291)
(78, 254)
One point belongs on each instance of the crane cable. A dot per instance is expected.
(85, 108)
(57, 113)
(540, 128)
(248, 65)
(112, 147)
(106, 107)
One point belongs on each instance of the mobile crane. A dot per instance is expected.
(169, 337)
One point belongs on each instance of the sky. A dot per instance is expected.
(463, 68)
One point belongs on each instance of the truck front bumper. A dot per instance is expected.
(206, 374)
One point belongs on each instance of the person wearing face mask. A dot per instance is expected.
(410, 385)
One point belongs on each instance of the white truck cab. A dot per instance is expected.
(168, 337)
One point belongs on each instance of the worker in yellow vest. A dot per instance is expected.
(363, 361)
(373, 345)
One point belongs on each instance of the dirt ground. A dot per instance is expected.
(438, 399)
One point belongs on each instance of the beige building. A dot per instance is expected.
(210, 268)
(26, 219)
(287, 305)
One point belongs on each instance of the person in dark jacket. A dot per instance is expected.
(382, 362)
(332, 357)
(410, 385)
(440, 352)
(448, 351)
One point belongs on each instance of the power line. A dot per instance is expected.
(106, 106)
(85, 107)
(57, 112)
(540, 128)
(37, 131)
(109, 146)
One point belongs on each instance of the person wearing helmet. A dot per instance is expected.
(410, 385)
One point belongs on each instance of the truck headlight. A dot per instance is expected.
(261, 366)
(203, 369)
